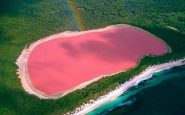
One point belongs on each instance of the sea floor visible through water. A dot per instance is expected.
(163, 94)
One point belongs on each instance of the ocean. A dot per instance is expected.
(163, 94)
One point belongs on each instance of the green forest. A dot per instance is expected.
(25, 21)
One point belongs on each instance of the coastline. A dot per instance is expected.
(146, 74)
(23, 59)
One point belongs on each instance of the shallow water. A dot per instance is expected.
(163, 94)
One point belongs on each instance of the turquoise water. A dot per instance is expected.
(163, 94)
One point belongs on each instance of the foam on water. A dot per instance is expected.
(129, 102)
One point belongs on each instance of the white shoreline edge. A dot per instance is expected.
(21, 62)
(146, 74)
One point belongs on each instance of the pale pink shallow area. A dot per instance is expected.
(61, 64)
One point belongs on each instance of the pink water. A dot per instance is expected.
(64, 63)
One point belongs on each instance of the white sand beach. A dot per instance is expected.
(146, 74)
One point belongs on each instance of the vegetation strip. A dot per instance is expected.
(146, 74)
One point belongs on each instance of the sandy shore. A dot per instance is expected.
(23, 59)
(146, 74)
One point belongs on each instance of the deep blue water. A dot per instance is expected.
(163, 94)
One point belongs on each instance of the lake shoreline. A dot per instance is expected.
(22, 61)
(146, 74)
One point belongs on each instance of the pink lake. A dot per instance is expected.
(61, 64)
